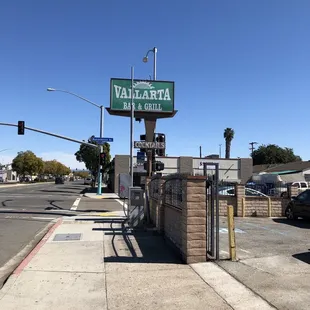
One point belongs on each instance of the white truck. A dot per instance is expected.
(280, 187)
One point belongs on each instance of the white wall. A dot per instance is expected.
(228, 169)
(171, 165)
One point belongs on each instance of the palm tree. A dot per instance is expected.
(228, 135)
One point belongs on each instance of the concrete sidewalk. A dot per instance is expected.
(91, 263)
(102, 196)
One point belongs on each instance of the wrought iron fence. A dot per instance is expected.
(173, 191)
(262, 189)
(276, 189)
(155, 188)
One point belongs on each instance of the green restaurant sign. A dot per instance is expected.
(149, 96)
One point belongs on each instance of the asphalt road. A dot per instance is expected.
(26, 210)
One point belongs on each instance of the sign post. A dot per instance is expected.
(100, 140)
(151, 99)
(148, 96)
(140, 158)
(149, 145)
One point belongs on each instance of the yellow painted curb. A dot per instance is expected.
(101, 214)
(99, 197)
(107, 214)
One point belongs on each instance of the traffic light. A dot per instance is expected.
(21, 127)
(161, 138)
(159, 166)
(102, 159)
(143, 138)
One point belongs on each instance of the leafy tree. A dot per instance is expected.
(54, 167)
(274, 154)
(81, 174)
(50, 167)
(27, 163)
(229, 134)
(61, 169)
(90, 156)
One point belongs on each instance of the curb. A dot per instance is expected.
(23, 184)
(103, 196)
(14, 262)
(100, 197)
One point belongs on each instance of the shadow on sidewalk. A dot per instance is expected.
(93, 190)
(141, 246)
(301, 223)
(304, 257)
(63, 213)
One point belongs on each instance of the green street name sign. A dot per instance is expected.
(149, 96)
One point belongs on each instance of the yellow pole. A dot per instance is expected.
(231, 232)
(269, 207)
(243, 206)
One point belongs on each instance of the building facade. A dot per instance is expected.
(235, 170)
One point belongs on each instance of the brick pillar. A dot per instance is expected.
(194, 220)
(292, 191)
(240, 194)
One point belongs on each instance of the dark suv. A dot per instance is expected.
(59, 180)
(299, 206)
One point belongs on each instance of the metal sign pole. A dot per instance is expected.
(217, 256)
(131, 128)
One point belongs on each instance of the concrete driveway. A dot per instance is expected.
(273, 259)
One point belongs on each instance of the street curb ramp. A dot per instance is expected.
(8, 268)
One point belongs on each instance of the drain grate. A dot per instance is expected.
(67, 237)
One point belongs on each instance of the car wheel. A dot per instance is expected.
(290, 214)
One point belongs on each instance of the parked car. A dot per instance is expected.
(24, 179)
(281, 191)
(59, 180)
(299, 206)
(230, 191)
(87, 181)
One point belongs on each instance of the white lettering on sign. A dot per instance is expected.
(147, 106)
(152, 107)
(146, 94)
(149, 145)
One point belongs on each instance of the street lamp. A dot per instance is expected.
(146, 58)
(101, 107)
(4, 150)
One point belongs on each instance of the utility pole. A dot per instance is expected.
(132, 112)
(252, 147)
(220, 150)
(200, 152)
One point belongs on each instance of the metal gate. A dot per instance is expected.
(211, 171)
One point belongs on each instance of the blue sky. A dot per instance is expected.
(240, 64)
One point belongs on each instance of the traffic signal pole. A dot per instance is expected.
(150, 125)
(51, 134)
(99, 192)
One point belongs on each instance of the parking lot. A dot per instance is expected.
(273, 259)
(261, 237)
